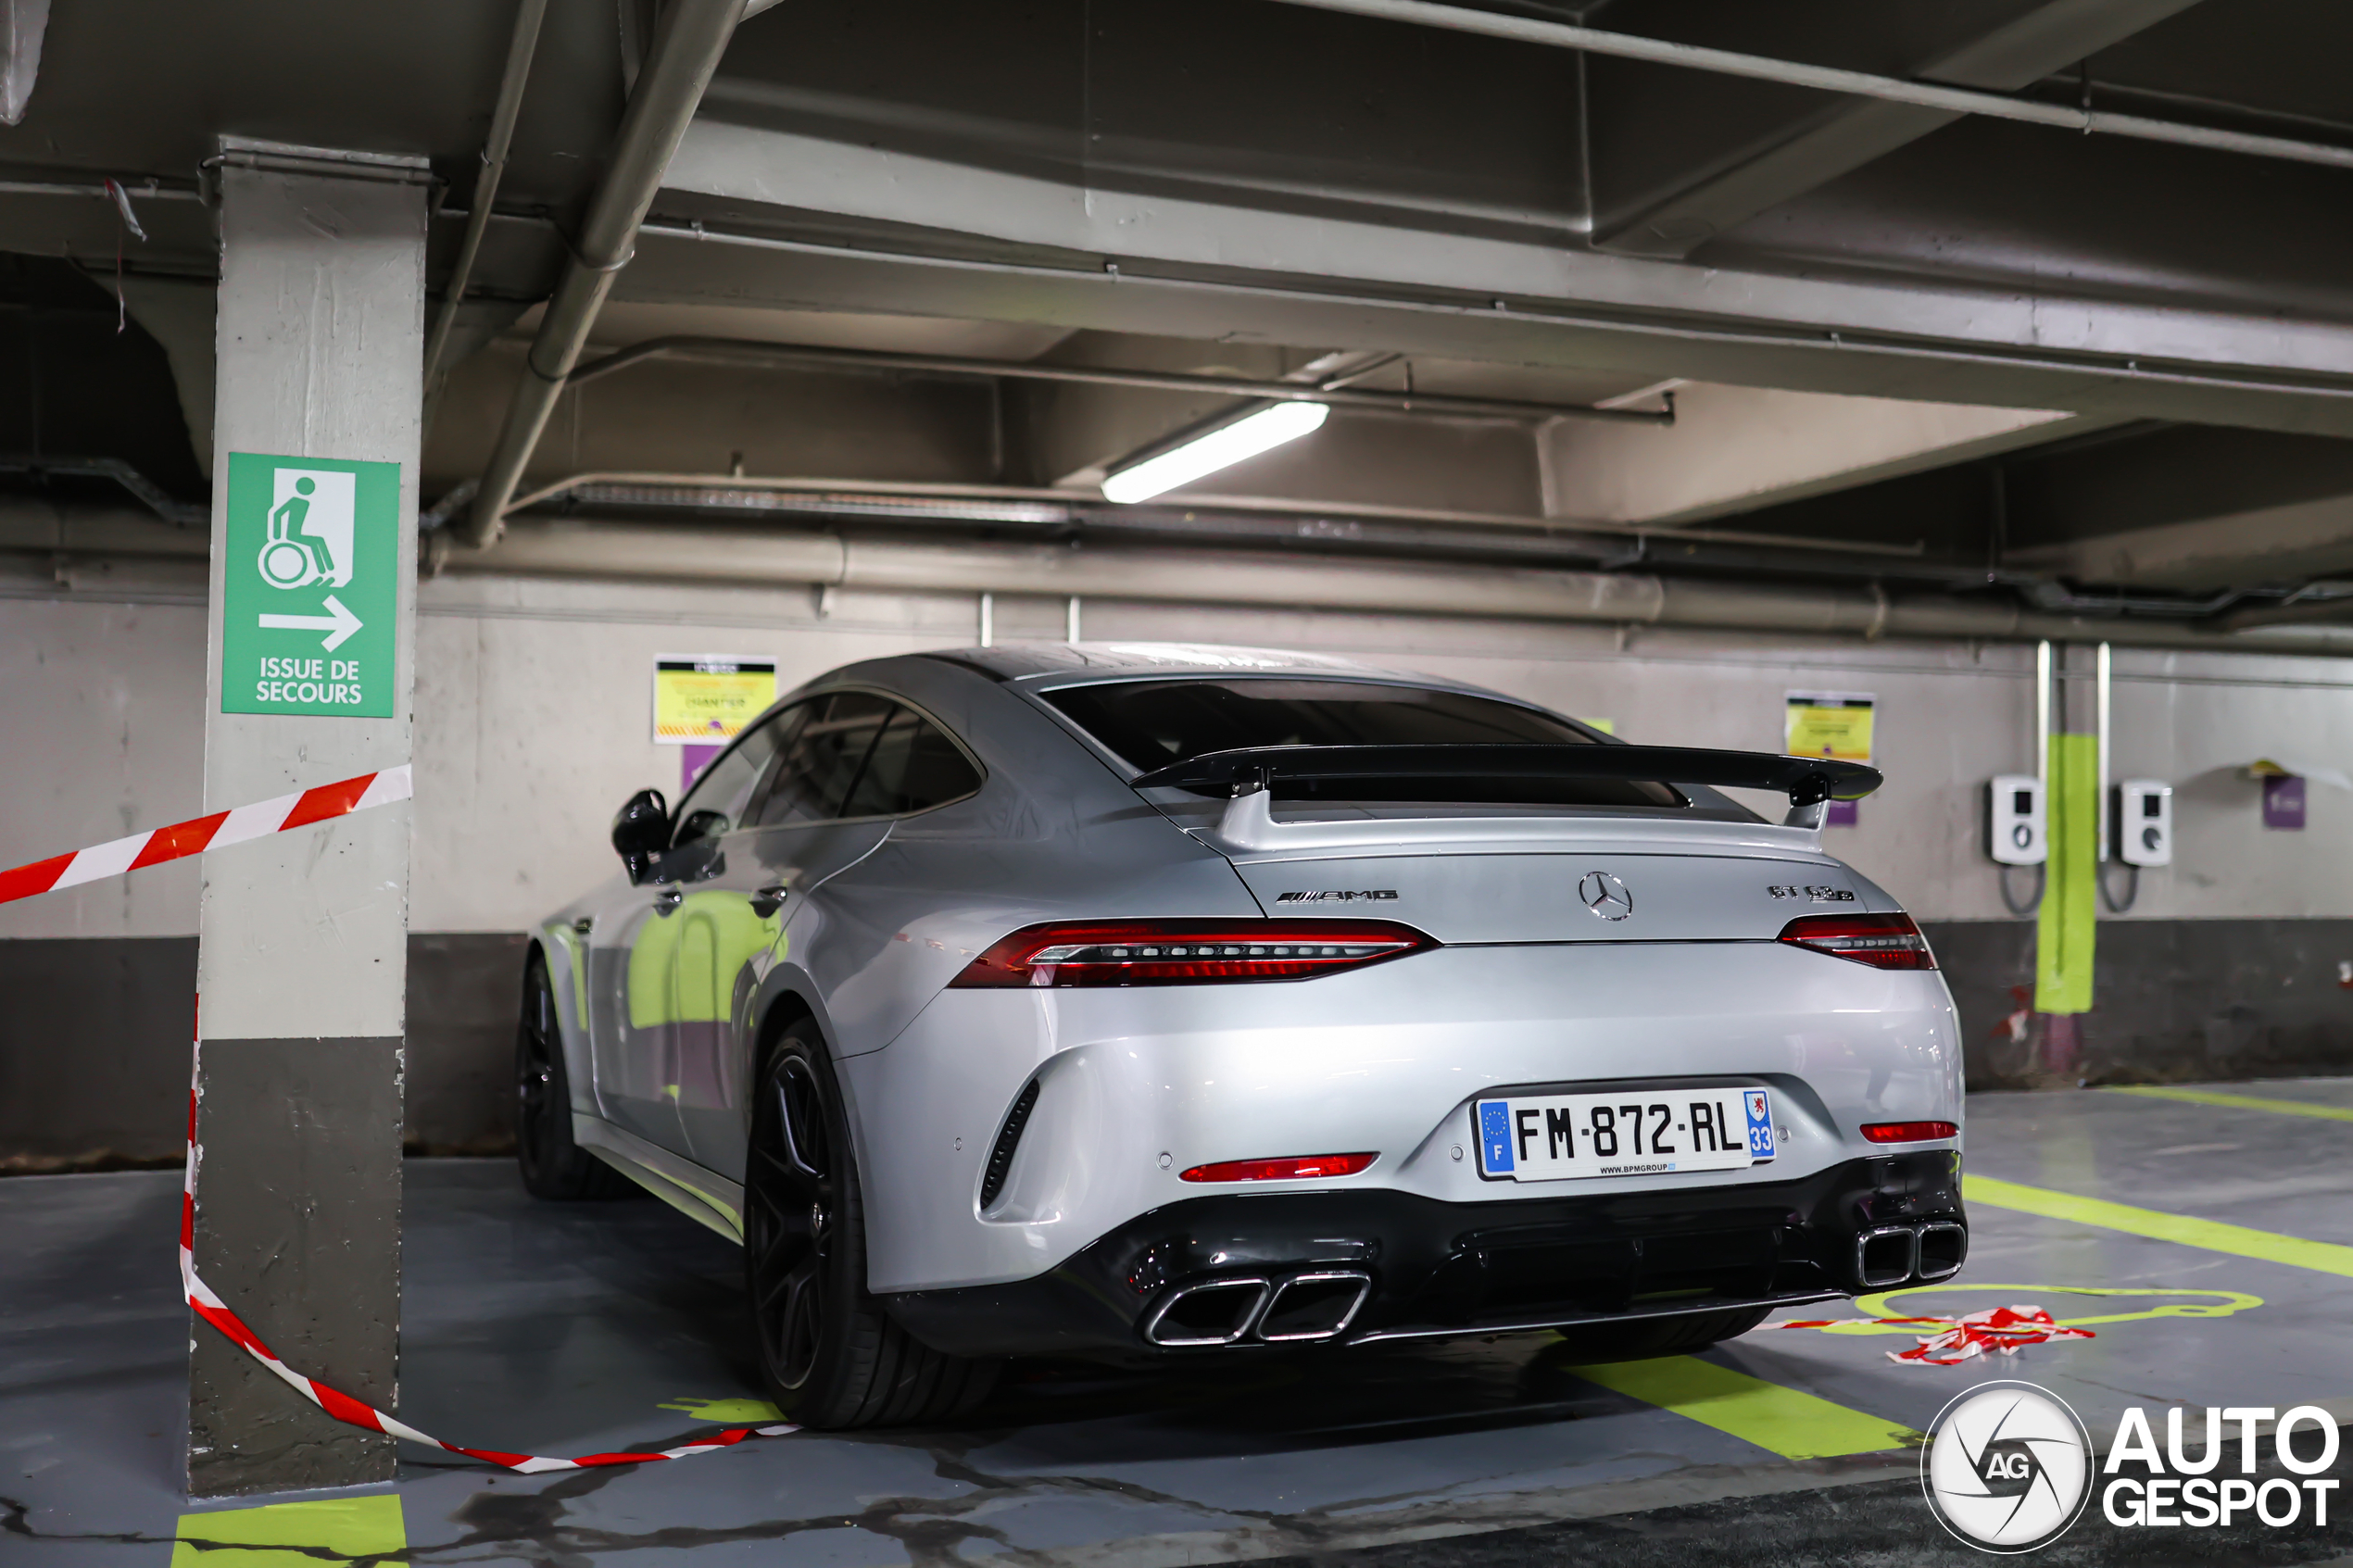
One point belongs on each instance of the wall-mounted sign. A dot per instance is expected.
(2284, 802)
(707, 698)
(310, 584)
(1834, 724)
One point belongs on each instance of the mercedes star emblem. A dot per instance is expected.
(1605, 895)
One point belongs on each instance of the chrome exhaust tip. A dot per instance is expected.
(1943, 1246)
(1311, 1307)
(1217, 1311)
(1886, 1256)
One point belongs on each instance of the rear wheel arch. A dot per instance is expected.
(780, 1013)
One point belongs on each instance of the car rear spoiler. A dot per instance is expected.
(1808, 781)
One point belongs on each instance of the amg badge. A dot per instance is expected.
(1337, 897)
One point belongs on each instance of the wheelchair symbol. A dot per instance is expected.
(309, 530)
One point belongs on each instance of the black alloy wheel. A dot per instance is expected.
(553, 1166)
(832, 1357)
(788, 1220)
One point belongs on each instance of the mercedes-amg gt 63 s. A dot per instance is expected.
(1141, 1002)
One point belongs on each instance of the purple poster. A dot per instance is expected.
(2284, 803)
(692, 761)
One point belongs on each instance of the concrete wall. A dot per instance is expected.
(534, 724)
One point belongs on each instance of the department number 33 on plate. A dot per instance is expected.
(1635, 1133)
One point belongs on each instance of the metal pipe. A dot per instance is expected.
(727, 351)
(520, 48)
(1828, 79)
(741, 494)
(2042, 720)
(2100, 720)
(690, 39)
(535, 547)
(2322, 600)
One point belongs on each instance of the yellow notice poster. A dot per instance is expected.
(706, 699)
(1835, 725)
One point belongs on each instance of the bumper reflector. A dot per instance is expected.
(1186, 952)
(1909, 1132)
(1298, 1167)
(1881, 941)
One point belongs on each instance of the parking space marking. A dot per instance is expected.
(291, 1534)
(1793, 1425)
(2235, 1102)
(2326, 1257)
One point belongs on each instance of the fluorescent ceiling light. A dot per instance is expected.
(1212, 450)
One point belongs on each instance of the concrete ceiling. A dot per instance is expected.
(1971, 340)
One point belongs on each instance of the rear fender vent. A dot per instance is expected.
(1000, 1156)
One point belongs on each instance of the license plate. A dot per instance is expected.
(1637, 1132)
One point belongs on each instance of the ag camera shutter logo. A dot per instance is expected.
(2007, 1468)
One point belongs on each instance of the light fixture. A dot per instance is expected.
(1215, 449)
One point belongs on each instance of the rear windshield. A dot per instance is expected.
(1151, 724)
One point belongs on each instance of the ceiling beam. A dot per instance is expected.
(756, 217)
(1710, 153)
(1736, 448)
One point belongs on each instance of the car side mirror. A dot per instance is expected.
(641, 831)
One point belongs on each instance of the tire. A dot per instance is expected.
(1660, 1336)
(553, 1166)
(831, 1356)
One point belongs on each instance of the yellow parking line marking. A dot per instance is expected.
(2235, 1102)
(2326, 1257)
(292, 1535)
(1790, 1423)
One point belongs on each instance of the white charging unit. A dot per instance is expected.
(2141, 820)
(2016, 826)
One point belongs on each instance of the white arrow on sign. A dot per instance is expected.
(338, 624)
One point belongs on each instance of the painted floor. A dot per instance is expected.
(2205, 1234)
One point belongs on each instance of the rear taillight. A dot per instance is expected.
(1881, 941)
(1186, 952)
(1909, 1132)
(1294, 1168)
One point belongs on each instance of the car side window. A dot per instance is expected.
(823, 760)
(913, 768)
(718, 802)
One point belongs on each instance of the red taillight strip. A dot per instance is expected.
(1909, 1132)
(1294, 1168)
(1881, 941)
(1185, 952)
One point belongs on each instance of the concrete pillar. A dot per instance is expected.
(302, 956)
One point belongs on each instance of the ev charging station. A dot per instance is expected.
(2136, 825)
(2141, 820)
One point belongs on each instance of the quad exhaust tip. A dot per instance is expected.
(1943, 1248)
(1300, 1310)
(1892, 1254)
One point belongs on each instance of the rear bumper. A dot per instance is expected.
(1434, 1268)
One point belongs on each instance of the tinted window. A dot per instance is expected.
(1151, 724)
(715, 805)
(823, 756)
(913, 768)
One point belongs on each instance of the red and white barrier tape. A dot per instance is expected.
(356, 1412)
(239, 826)
(1996, 1330)
(216, 832)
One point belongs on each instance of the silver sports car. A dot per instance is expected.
(1143, 1001)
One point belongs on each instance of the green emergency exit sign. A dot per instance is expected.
(309, 586)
